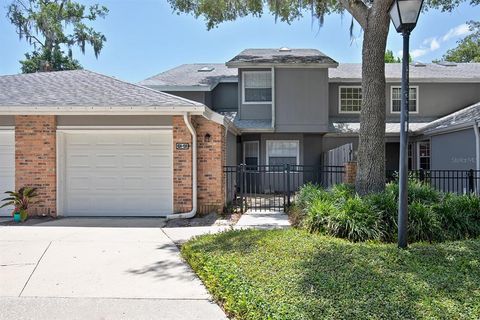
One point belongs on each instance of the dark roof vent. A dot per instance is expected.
(284, 49)
(418, 64)
(447, 64)
(206, 69)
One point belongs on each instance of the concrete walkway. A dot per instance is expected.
(97, 269)
(263, 220)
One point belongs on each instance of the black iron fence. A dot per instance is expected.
(454, 181)
(272, 187)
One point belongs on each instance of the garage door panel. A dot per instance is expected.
(134, 161)
(118, 174)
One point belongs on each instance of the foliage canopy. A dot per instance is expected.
(53, 26)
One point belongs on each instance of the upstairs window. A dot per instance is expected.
(350, 99)
(257, 87)
(397, 99)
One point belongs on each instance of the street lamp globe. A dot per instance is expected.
(404, 14)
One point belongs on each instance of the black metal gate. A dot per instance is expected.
(273, 187)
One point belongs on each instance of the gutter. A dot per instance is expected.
(101, 110)
(190, 214)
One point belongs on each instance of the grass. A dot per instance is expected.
(293, 274)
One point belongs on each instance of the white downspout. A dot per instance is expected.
(192, 213)
(273, 98)
(477, 144)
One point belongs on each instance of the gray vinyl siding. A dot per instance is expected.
(312, 146)
(7, 121)
(198, 96)
(392, 155)
(113, 120)
(231, 149)
(453, 151)
(329, 143)
(434, 100)
(252, 111)
(225, 97)
(301, 100)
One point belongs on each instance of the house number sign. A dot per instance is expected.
(182, 146)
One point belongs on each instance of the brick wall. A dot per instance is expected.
(350, 172)
(35, 160)
(211, 158)
(182, 167)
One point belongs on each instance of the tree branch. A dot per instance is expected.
(358, 9)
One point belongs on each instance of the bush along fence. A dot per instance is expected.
(448, 181)
(272, 187)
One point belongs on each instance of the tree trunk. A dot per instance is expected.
(371, 150)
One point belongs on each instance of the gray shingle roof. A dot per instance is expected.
(246, 125)
(81, 88)
(188, 76)
(266, 57)
(431, 72)
(464, 117)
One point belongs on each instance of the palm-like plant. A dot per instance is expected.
(20, 199)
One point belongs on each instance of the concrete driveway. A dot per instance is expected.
(97, 269)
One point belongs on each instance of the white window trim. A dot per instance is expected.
(270, 141)
(258, 150)
(391, 100)
(418, 152)
(243, 88)
(340, 99)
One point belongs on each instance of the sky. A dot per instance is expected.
(145, 37)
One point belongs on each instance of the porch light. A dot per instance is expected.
(404, 15)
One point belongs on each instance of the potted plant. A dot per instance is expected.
(21, 200)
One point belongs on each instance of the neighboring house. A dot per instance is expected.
(293, 105)
(97, 146)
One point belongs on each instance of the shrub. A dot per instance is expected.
(307, 194)
(459, 216)
(433, 216)
(295, 215)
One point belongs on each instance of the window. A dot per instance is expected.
(410, 156)
(397, 99)
(281, 152)
(424, 155)
(250, 153)
(350, 99)
(257, 86)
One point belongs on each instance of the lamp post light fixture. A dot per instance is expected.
(404, 15)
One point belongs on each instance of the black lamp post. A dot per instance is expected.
(404, 15)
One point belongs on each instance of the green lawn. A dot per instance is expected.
(291, 274)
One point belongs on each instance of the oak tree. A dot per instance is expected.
(53, 26)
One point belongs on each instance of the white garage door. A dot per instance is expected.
(118, 174)
(7, 166)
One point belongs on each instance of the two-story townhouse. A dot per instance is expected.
(293, 105)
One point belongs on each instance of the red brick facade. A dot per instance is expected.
(182, 167)
(35, 160)
(350, 172)
(211, 159)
